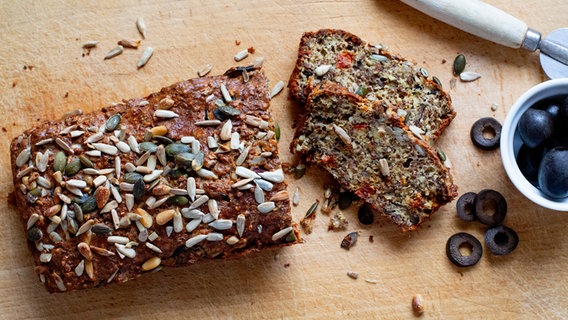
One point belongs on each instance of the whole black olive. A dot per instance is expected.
(535, 127)
(553, 173)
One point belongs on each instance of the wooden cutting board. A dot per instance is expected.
(45, 73)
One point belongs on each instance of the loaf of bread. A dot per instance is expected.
(373, 73)
(185, 174)
(367, 148)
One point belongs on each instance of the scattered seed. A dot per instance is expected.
(469, 76)
(204, 70)
(349, 240)
(228, 111)
(459, 64)
(378, 57)
(418, 304)
(44, 141)
(280, 196)
(276, 176)
(101, 251)
(141, 26)
(453, 83)
(132, 44)
(114, 52)
(241, 55)
(277, 89)
(63, 145)
(146, 55)
(281, 233)
(59, 282)
(225, 133)
(353, 275)
(80, 268)
(296, 197)
(323, 69)
(90, 44)
(311, 210)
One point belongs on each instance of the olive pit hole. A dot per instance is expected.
(465, 249)
(490, 207)
(488, 133)
(501, 238)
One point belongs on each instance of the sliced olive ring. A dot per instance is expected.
(453, 249)
(490, 127)
(465, 206)
(501, 240)
(490, 207)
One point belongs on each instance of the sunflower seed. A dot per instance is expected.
(323, 69)
(43, 182)
(193, 224)
(263, 184)
(59, 282)
(241, 55)
(63, 145)
(114, 52)
(80, 268)
(166, 114)
(214, 236)
(246, 173)
(127, 252)
(247, 186)
(204, 173)
(277, 89)
(90, 44)
(85, 227)
(416, 131)
(43, 142)
(34, 217)
(225, 93)
(378, 57)
(353, 275)
(241, 183)
(206, 123)
(195, 240)
(152, 176)
(384, 167)
(152, 246)
(243, 156)
(197, 162)
(225, 133)
(266, 207)
(232, 240)
(221, 224)
(198, 202)
(192, 214)
(42, 160)
(296, 197)
(258, 195)
(469, 76)
(146, 55)
(132, 44)
(235, 140)
(342, 134)
(24, 172)
(281, 233)
(276, 176)
(204, 70)
(212, 143)
(111, 205)
(113, 122)
(459, 64)
(213, 208)
(141, 26)
(105, 148)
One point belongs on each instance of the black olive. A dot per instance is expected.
(552, 174)
(461, 240)
(535, 127)
(501, 240)
(490, 207)
(465, 208)
(528, 161)
(345, 200)
(365, 215)
(486, 133)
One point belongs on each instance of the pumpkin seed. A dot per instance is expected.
(197, 162)
(276, 131)
(60, 161)
(178, 201)
(459, 64)
(73, 167)
(228, 111)
(437, 81)
(139, 189)
(176, 148)
(300, 171)
(441, 154)
(184, 159)
(86, 162)
(101, 228)
(112, 122)
(362, 91)
(132, 177)
(147, 146)
(89, 205)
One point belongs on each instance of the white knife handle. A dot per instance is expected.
(476, 17)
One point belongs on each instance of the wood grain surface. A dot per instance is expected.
(44, 73)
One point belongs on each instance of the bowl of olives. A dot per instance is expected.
(534, 144)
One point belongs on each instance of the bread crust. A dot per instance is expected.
(58, 250)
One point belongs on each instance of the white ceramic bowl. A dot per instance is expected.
(511, 141)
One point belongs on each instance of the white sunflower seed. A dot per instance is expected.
(85, 227)
(76, 183)
(195, 146)
(195, 240)
(342, 134)
(416, 131)
(296, 197)
(266, 207)
(384, 167)
(153, 176)
(44, 141)
(204, 173)
(277, 89)
(276, 176)
(115, 218)
(235, 140)
(32, 220)
(258, 195)
(43, 161)
(221, 224)
(241, 55)
(212, 143)
(114, 52)
(166, 114)
(43, 182)
(281, 233)
(226, 94)
(246, 173)
(129, 200)
(204, 70)
(127, 252)
(213, 208)
(118, 239)
(141, 26)
(241, 224)
(93, 153)
(323, 69)
(241, 183)
(111, 205)
(63, 145)
(193, 224)
(263, 184)
(178, 222)
(187, 139)
(232, 240)
(94, 138)
(80, 268)
(76, 133)
(146, 55)
(214, 236)
(226, 130)
(469, 76)
(125, 186)
(105, 148)
(153, 247)
(243, 156)
(123, 146)
(133, 144)
(206, 123)
(115, 194)
(59, 282)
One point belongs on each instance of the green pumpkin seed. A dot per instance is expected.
(163, 140)
(36, 192)
(178, 200)
(89, 205)
(139, 189)
(34, 234)
(291, 237)
(176, 148)
(147, 146)
(60, 161)
(184, 159)
(132, 177)
(437, 81)
(101, 228)
(197, 162)
(86, 162)
(228, 110)
(459, 64)
(73, 167)
(362, 91)
(441, 154)
(299, 171)
(112, 122)
(276, 131)
(312, 209)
